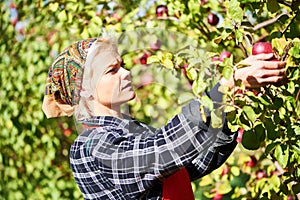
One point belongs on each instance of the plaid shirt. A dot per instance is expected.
(126, 159)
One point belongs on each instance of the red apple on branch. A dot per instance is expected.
(155, 46)
(161, 11)
(67, 132)
(252, 162)
(143, 59)
(225, 170)
(224, 54)
(218, 196)
(240, 135)
(261, 174)
(212, 19)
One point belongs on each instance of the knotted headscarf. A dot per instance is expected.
(65, 77)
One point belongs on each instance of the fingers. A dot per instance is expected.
(258, 57)
(263, 56)
(273, 72)
(261, 75)
(272, 64)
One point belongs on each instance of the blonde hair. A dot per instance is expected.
(92, 72)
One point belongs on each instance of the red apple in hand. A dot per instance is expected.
(161, 11)
(262, 47)
(212, 19)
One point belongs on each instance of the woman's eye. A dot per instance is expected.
(112, 70)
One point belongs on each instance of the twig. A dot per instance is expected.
(286, 28)
(243, 49)
(265, 23)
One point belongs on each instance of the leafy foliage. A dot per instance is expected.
(34, 150)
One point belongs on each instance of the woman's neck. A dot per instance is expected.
(104, 110)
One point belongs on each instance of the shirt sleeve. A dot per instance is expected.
(222, 147)
(136, 161)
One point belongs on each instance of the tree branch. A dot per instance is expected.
(268, 22)
(264, 23)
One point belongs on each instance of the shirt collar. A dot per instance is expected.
(126, 123)
(106, 121)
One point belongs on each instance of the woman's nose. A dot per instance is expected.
(125, 73)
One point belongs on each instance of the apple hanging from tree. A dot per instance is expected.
(155, 46)
(224, 54)
(67, 132)
(162, 11)
(212, 19)
(240, 135)
(261, 174)
(252, 162)
(225, 170)
(218, 196)
(143, 59)
(203, 2)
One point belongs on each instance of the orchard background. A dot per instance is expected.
(174, 51)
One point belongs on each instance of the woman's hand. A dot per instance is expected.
(261, 71)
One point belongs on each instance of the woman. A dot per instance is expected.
(116, 157)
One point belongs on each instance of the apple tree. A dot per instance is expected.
(175, 50)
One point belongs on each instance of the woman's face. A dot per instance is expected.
(114, 86)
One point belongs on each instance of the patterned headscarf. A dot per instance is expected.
(65, 78)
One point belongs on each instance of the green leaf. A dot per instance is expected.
(294, 52)
(168, 63)
(235, 12)
(185, 97)
(62, 16)
(272, 132)
(264, 100)
(260, 132)
(273, 5)
(275, 181)
(207, 102)
(224, 188)
(281, 153)
(153, 59)
(216, 119)
(250, 140)
(191, 73)
(296, 188)
(270, 147)
(53, 6)
(248, 110)
(227, 72)
(239, 35)
(235, 170)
